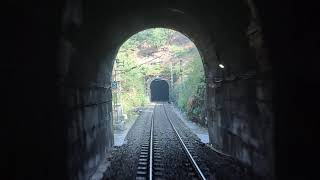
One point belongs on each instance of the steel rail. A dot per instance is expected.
(193, 162)
(151, 146)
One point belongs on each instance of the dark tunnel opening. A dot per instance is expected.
(159, 90)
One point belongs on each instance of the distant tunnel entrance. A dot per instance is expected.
(159, 90)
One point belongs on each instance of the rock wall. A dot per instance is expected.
(239, 109)
(86, 97)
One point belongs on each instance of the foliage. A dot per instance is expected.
(132, 87)
(190, 91)
(187, 90)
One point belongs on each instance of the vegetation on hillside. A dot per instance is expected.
(160, 52)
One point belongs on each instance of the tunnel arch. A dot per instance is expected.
(168, 79)
(88, 56)
(159, 90)
(150, 80)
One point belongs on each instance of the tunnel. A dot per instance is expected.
(57, 68)
(237, 103)
(159, 90)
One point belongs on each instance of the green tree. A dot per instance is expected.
(188, 90)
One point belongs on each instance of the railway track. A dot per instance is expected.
(151, 164)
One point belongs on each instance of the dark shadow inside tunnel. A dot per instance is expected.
(236, 108)
(159, 90)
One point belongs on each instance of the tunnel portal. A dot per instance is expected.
(159, 90)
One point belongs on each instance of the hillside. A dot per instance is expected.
(166, 53)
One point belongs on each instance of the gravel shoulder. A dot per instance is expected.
(124, 159)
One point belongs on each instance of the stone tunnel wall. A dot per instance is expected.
(238, 113)
(89, 128)
(86, 97)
